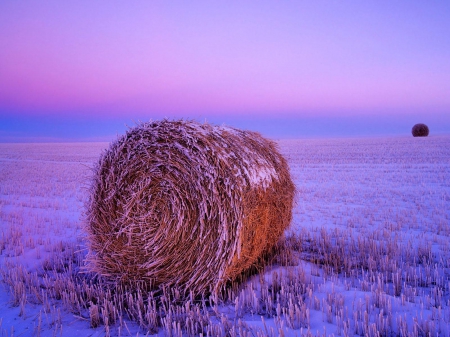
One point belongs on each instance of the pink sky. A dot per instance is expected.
(233, 58)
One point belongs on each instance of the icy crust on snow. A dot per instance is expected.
(389, 196)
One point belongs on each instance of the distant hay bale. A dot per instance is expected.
(187, 205)
(420, 130)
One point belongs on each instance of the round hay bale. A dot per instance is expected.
(420, 130)
(186, 205)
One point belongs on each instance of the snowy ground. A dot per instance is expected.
(370, 242)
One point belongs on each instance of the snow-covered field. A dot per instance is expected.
(370, 249)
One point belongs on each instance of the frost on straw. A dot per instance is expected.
(186, 205)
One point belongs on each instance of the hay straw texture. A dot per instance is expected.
(187, 205)
(420, 130)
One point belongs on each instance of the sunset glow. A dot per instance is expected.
(223, 61)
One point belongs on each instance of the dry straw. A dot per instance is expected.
(186, 205)
(420, 130)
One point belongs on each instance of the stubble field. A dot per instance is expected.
(368, 252)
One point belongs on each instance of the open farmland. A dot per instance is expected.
(368, 251)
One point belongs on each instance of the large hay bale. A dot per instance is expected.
(187, 205)
(420, 130)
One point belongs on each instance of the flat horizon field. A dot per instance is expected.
(367, 253)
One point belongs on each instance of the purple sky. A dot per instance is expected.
(83, 70)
